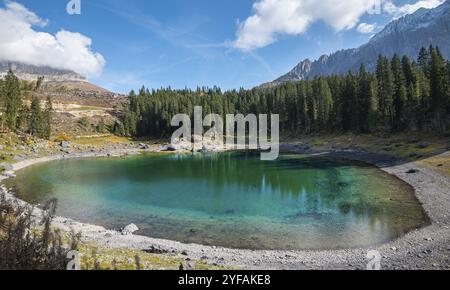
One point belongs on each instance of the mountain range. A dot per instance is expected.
(404, 36)
(32, 72)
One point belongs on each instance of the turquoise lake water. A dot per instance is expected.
(231, 199)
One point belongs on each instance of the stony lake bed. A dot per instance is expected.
(425, 247)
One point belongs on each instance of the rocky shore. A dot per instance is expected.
(425, 248)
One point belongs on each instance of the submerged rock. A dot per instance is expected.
(129, 229)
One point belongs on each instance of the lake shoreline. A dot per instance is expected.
(424, 248)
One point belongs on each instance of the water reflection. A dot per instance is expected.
(231, 199)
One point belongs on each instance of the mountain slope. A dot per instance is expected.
(404, 36)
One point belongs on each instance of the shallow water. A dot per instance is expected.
(231, 199)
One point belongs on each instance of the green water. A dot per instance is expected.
(231, 199)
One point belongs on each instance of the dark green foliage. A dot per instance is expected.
(400, 95)
(385, 94)
(35, 122)
(11, 98)
(101, 126)
(448, 87)
(39, 121)
(15, 114)
(438, 93)
(84, 122)
(47, 119)
(366, 93)
(39, 82)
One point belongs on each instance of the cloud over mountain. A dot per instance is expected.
(399, 11)
(21, 41)
(274, 18)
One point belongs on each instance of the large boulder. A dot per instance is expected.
(423, 145)
(64, 144)
(129, 229)
(144, 146)
(9, 174)
(171, 148)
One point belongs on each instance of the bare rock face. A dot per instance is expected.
(404, 36)
(32, 72)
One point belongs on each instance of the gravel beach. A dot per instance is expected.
(425, 248)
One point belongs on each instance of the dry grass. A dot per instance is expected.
(125, 259)
(440, 164)
(100, 140)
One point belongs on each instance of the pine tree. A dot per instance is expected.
(448, 87)
(39, 83)
(412, 92)
(385, 93)
(47, 119)
(399, 97)
(118, 129)
(437, 89)
(365, 101)
(35, 127)
(324, 101)
(13, 101)
(424, 60)
(349, 100)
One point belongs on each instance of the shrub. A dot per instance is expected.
(84, 122)
(62, 138)
(23, 246)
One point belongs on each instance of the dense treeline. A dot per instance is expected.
(401, 95)
(16, 115)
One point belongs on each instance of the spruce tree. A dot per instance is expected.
(365, 101)
(47, 119)
(324, 102)
(349, 101)
(385, 93)
(412, 92)
(399, 97)
(448, 87)
(35, 126)
(13, 101)
(423, 60)
(438, 89)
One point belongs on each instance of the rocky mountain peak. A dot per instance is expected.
(403, 36)
(32, 72)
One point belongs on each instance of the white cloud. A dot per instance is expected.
(398, 11)
(65, 50)
(366, 28)
(273, 18)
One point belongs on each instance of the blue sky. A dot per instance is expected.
(181, 43)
